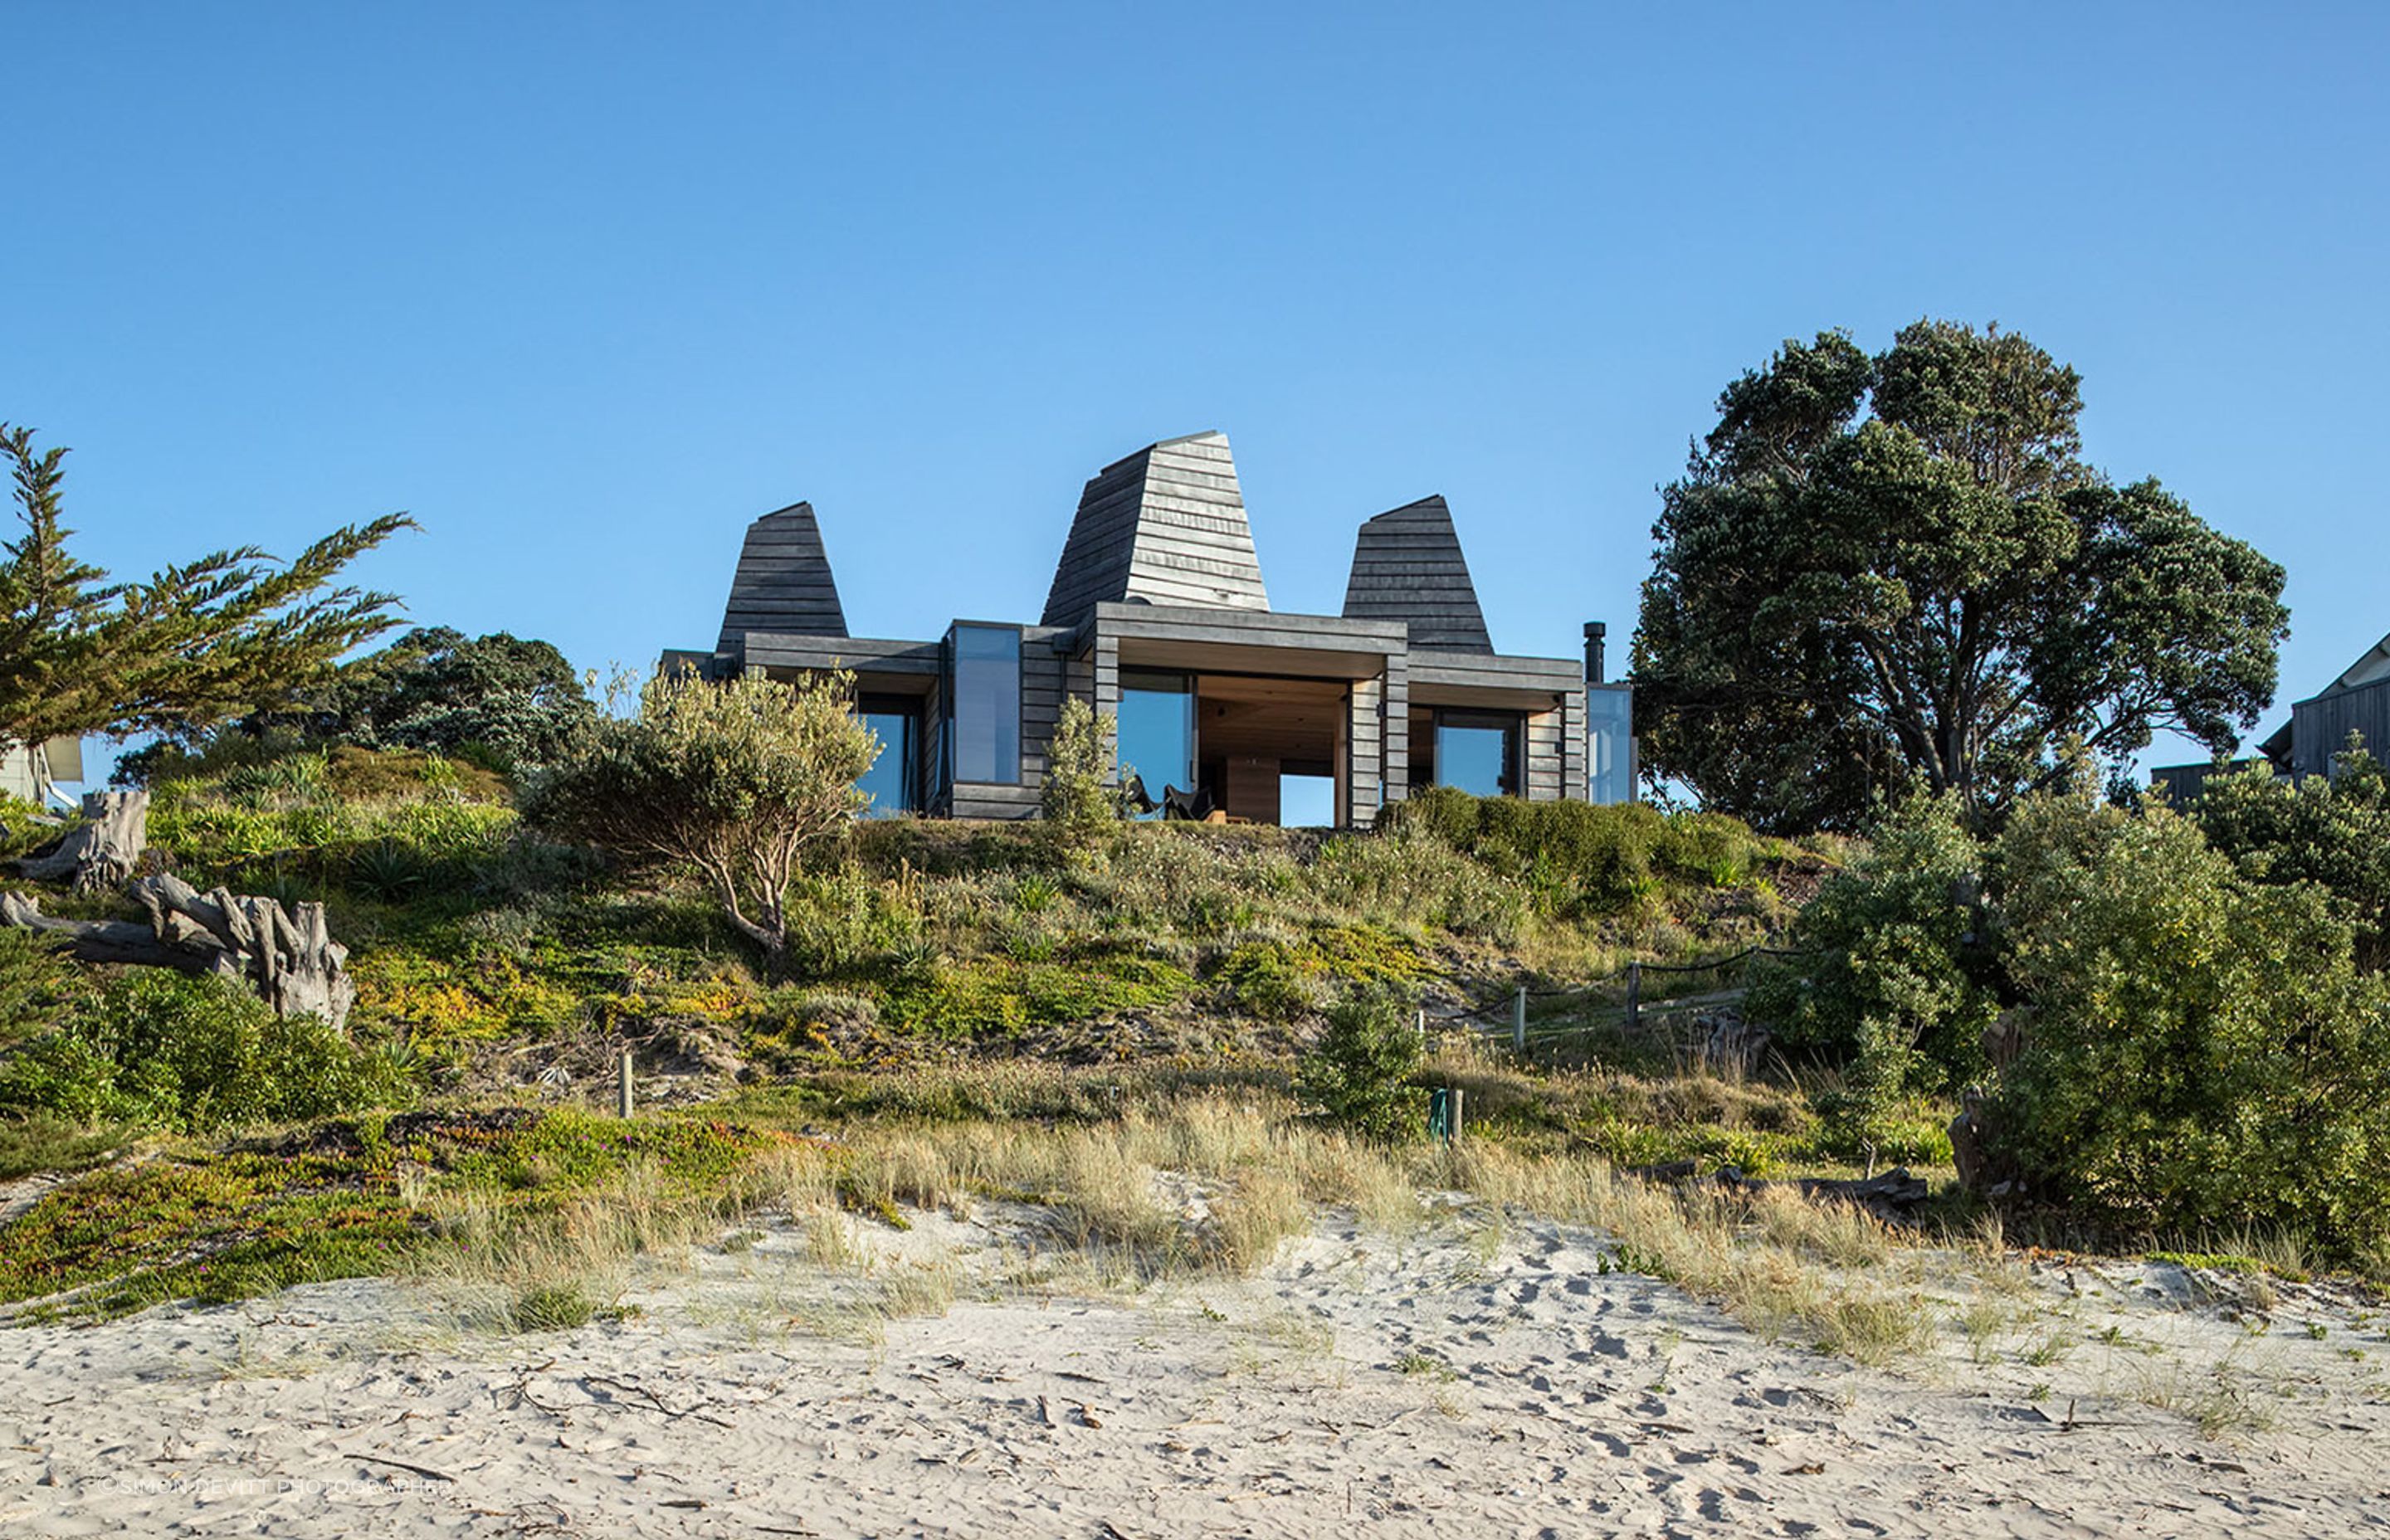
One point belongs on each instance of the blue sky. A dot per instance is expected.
(585, 288)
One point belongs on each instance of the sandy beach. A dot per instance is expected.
(1467, 1380)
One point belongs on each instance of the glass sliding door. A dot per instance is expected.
(1478, 752)
(984, 704)
(1157, 731)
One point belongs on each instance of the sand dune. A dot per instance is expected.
(1451, 1385)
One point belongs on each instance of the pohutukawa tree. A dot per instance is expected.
(230, 633)
(1894, 570)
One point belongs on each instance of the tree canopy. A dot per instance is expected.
(516, 700)
(191, 645)
(745, 780)
(1897, 569)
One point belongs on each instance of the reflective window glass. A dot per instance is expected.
(986, 716)
(1478, 752)
(889, 783)
(1157, 731)
(1610, 745)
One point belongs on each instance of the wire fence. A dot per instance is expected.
(1625, 1001)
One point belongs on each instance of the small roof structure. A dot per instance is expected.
(1408, 566)
(1165, 525)
(783, 584)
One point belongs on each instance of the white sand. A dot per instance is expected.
(1568, 1402)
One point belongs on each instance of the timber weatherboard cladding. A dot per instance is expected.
(782, 584)
(1166, 525)
(2319, 727)
(1408, 566)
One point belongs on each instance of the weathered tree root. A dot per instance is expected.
(103, 851)
(288, 958)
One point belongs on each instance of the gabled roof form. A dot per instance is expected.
(783, 584)
(2370, 669)
(1408, 566)
(1166, 525)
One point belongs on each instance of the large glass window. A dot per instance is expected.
(985, 710)
(1478, 752)
(1157, 731)
(1610, 744)
(891, 782)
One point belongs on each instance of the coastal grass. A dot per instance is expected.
(531, 1221)
(529, 1198)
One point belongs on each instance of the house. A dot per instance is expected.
(1159, 615)
(2359, 701)
(33, 772)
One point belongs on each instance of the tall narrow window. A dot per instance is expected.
(891, 783)
(985, 710)
(1610, 744)
(1478, 752)
(1157, 731)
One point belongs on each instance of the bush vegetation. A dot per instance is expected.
(2187, 1042)
(156, 1049)
(1358, 1074)
(747, 780)
(1080, 798)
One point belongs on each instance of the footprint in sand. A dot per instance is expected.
(1602, 1344)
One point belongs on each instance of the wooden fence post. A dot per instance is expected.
(1634, 999)
(1456, 1114)
(1519, 1019)
(622, 1087)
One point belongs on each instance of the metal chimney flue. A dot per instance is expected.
(1594, 631)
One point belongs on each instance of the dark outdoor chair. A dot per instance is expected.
(1194, 807)
(1139, 798)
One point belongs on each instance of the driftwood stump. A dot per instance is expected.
(289, 959)
(104, 849)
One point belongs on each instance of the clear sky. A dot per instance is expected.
(586, 288)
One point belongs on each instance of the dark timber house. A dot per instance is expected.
(2359, 701)
(1158, 615)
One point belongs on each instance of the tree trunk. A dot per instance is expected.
(104, 849)
(289, 960)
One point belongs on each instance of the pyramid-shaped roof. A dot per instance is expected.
(1408, 566)
(1165, 525)
(783, 584)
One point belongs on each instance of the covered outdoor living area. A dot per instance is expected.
(1264, 718)
(1249, 748)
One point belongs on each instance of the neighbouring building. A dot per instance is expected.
(34, 772)
(2359, 701)
(1158, 615)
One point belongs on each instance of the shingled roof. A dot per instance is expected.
(1165, 525)
(1408, 566)
(783, 584)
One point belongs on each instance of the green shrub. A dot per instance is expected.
(748, 779)
(549, 1307)
(1358, 1076)
(1080, 799)
(36, 982)
(156, 1049)
(842, 919)
(1264, 980)
(2330, 830)
(2200, 1050)
(1580, 860)
(1899, 979)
